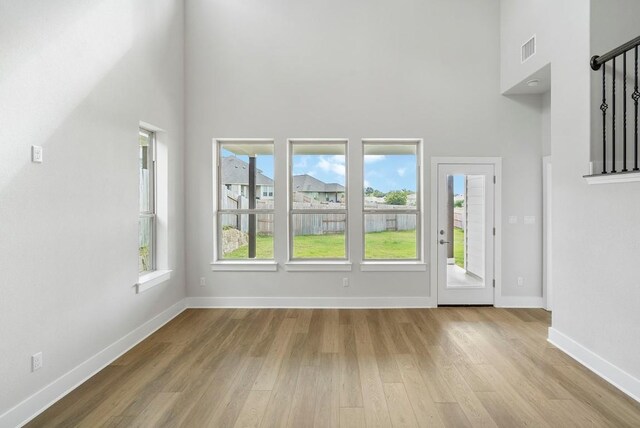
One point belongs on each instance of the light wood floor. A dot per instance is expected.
(452, 367)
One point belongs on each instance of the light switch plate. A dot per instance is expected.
(36, 154)
(529, 219)
(513, 219)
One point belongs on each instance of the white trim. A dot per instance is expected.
(311, 266)
(519, 302)
(547, 235)
(390, 266)
(245, 266)
(150, 127)
(619, 177)
(497, 216)
(603, 368)
(151, 279)
(311, 302)
(32, 406)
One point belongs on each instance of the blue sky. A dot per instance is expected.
(382, 172)
(458, 184)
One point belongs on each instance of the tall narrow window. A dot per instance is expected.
(318, 200)
(391, 208)
(147, 219)
(245, 200)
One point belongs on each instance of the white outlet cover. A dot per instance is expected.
(36, 361)
(36, 154)
(513, 219)
(529, 219)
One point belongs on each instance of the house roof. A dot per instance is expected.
(236, 171)
(307, 183)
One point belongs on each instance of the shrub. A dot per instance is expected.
(396, 197)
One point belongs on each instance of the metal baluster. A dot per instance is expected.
(613, 119)
(636, 96)
(624, 113)
(604, 107)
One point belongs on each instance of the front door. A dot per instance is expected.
(465, 234)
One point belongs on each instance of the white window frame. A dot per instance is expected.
(151, 213)
(318, 264)
(369, 264)
(219, 263)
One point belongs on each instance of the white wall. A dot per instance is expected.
(545, 123)
(77, 77)
(595, 228)
(354, 69)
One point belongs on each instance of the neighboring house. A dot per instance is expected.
(318, 190)
(235, 177)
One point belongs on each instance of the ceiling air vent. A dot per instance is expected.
(528, 49)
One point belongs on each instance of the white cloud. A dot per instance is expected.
(366, 183)
(302, 163)
(402, 171)
(332, 166)
(337, 159)
(373, 158)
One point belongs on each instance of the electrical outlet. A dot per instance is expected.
(529, 219)
(520, 281)
(36, 361)
(203, 281)
(345, 282)
(513, 219)
(36, 154)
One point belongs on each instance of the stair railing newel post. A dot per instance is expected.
(613, 118)
(636, 96)
(624, 112)
(604, 107)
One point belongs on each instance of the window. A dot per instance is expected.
(318, 200)
(147, 218)
(244, 214)
(391, 206)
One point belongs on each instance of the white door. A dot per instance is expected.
(465, 234)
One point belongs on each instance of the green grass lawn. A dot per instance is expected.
(264, 249)
(390, 245)
(458, 246)
(379, 245)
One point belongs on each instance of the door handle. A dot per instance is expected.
(442, 242)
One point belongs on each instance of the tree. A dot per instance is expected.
(396, 197)
(378, 194)
(459, 203)
(368, 190)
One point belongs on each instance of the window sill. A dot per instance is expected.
(618, 177)
(246, 266)
(319, 266)
(391, 266)
(151, 279)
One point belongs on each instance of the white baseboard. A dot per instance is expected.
(607, 371)
(519, 302)
(35, 404)
(310, 302)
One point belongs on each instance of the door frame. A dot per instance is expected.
(547, 206)
(497, 221)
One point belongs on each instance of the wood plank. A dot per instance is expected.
(400, 410)
(253, 409)
(352, 417)
(296, 367)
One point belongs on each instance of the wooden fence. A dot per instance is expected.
(311, 224)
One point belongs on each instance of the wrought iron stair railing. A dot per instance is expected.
(609, 62)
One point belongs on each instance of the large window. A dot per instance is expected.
(318, 199)
(245, 197)
(391, 208)
(147, 218)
